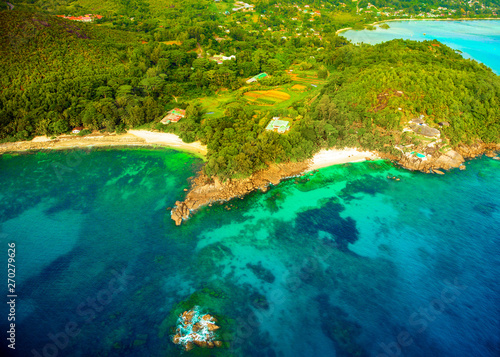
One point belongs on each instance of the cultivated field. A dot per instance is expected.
(299, 87)
(271, 96)
(304, 87)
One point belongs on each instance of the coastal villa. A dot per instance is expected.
(173, 116)
(77, 129)
(281, 126)
(418, 126)
(243, 6)
(85, 18)
(221, 58)
(257, 77)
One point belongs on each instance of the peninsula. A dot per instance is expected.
(258, 93)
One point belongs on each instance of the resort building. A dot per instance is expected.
(418, 126)
(173, 116)
(257, 77)
(86, 18)
(243, 6)
(281, 126)
(221, 58)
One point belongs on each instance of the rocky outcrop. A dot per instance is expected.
(476, 149)
(425, 130)
(180, 212)
(194, 329)
(450, 159)
(205, 190)
(446, 161)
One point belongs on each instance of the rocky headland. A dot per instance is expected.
(436, 160)
(206, 190)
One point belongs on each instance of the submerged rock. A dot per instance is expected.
(486, 208)
(261, 272)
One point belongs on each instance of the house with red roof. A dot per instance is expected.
(174, 116)
(85, 18)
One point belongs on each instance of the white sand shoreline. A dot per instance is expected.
(170, 140)
(132, 138)
(393, 20)
(331, 157)
(323, 158)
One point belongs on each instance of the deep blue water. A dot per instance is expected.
(344, 262)
(478, 40)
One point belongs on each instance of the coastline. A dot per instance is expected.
(207, 190)
(96, 139)
(331, 157)
(394, 20)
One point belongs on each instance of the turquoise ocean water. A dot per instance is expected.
(479, 40)
(343, 262)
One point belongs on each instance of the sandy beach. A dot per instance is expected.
(330, 157)
(392, 20)
(96, 139)
(324, 158)
(170, 140)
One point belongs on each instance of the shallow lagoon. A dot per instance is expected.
(342, 262)
(478, 39)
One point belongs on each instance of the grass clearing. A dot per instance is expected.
(178, 43)
(299, 87)
(269, 96)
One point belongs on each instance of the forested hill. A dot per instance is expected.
(49, 69)
(58, 74)
(376, 90)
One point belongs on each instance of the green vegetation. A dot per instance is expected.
(377, 89)
(145, 57)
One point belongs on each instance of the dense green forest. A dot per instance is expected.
(381, 87)
(372, 93)
(146, 57)
(59, 73)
